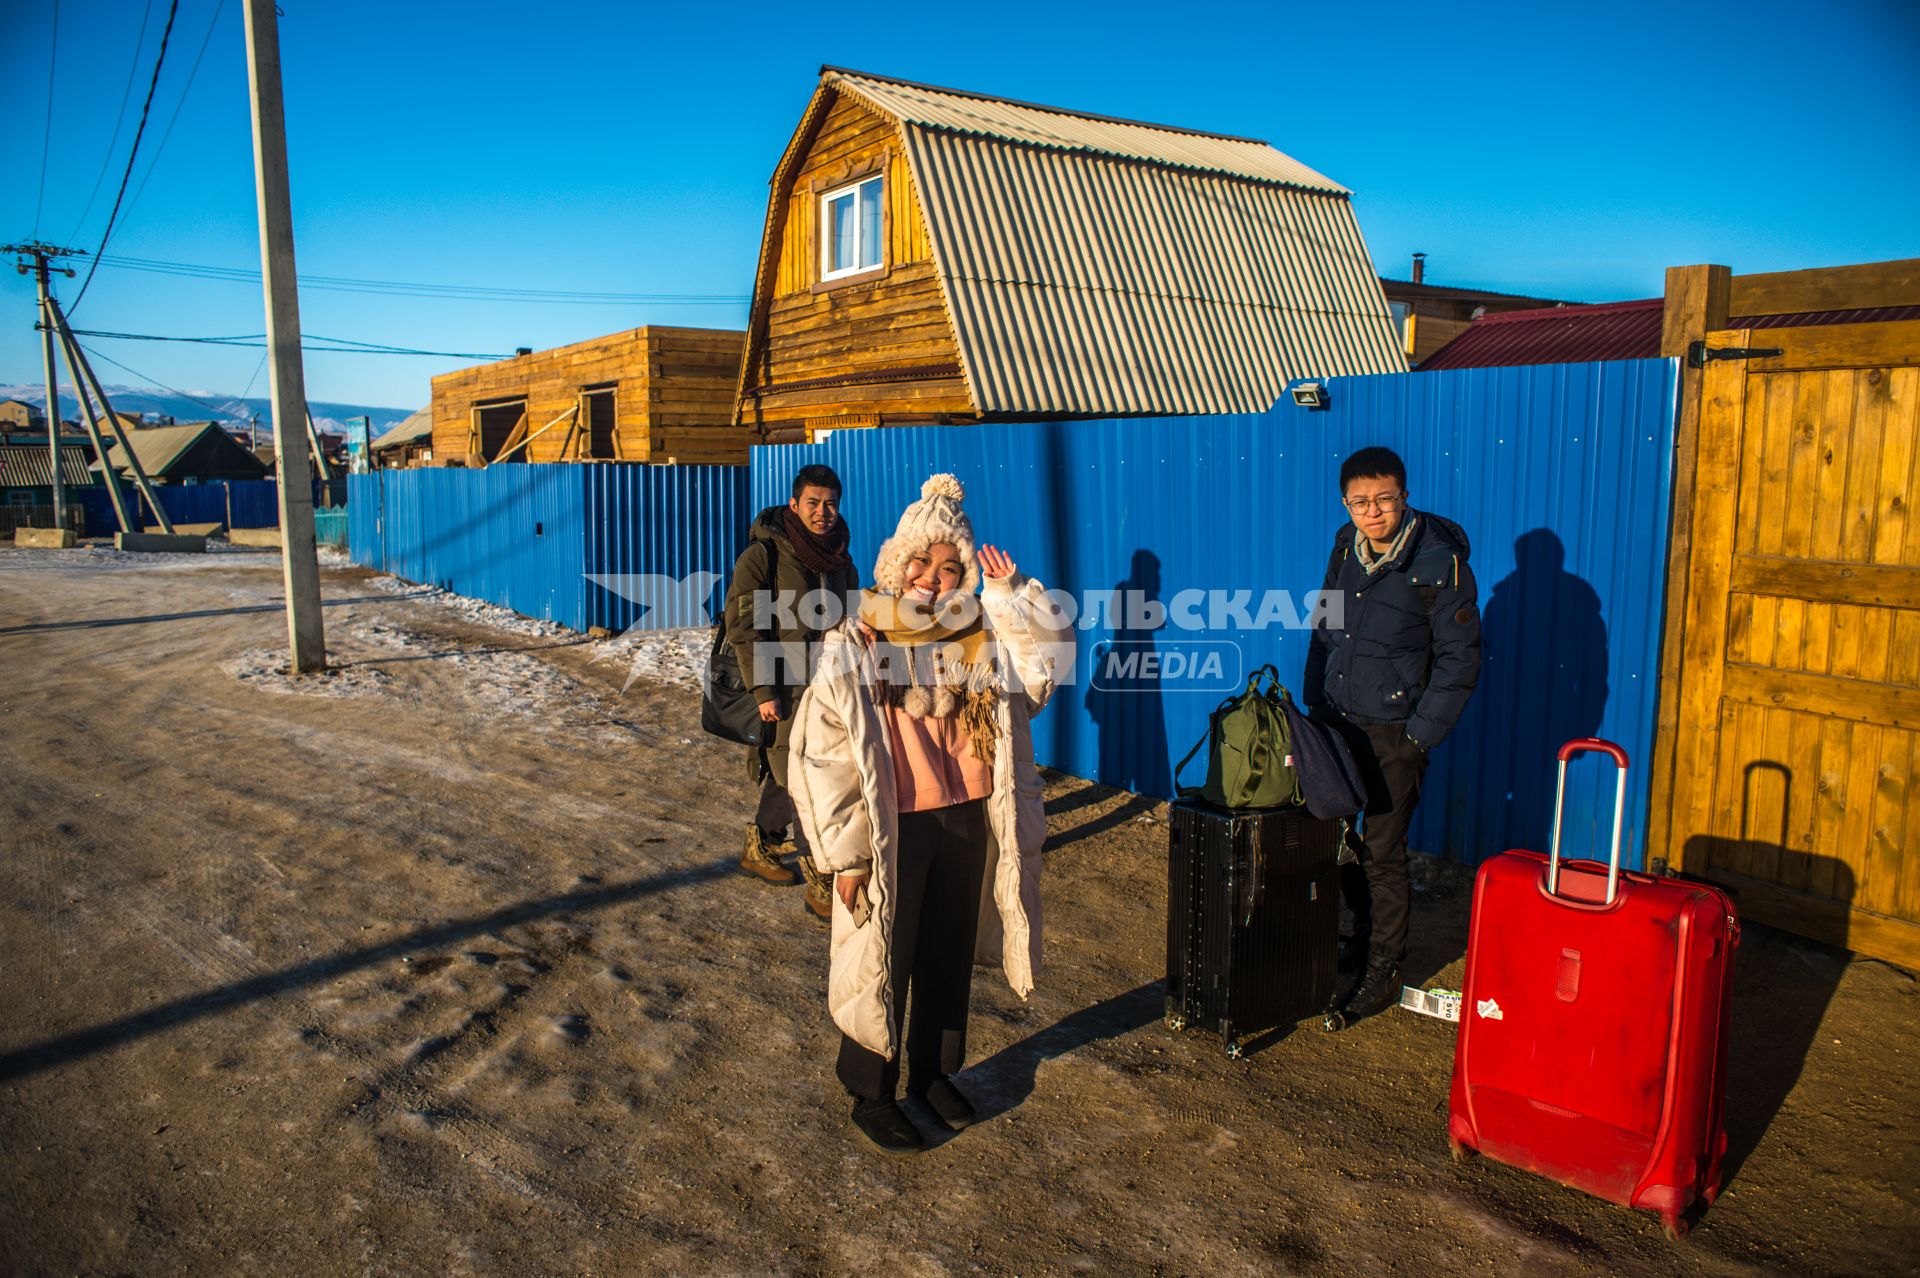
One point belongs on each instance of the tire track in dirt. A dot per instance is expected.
(397, 1091)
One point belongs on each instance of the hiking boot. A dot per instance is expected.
(1378, 990)
(887, 1127)
(819, 888)
(759, 860)
(947, 1101)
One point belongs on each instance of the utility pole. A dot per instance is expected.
(307, 644)
(40, 252)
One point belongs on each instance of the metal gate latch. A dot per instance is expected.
(1698, 353)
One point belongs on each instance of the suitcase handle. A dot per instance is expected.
(1591, 745)
(1579, 746)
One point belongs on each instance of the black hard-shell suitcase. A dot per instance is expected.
(1253, 918)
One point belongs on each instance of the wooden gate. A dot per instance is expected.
(1795, 741)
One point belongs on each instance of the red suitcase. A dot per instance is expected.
(1593, 1023)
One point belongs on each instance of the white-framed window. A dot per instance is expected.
(850, 229)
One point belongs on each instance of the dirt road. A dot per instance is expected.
(439, 967)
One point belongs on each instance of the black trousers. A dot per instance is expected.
(1377, 889)
(943, 858)
(774, 814)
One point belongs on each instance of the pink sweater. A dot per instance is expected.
(933, 763)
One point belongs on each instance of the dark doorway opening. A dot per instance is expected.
(494, 425)
(597, 407)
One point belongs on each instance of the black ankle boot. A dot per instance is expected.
(946, 1100)
(1378, 990)
(887, 1127)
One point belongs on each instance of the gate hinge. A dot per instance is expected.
(1698, 353)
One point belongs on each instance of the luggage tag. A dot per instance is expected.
(862, 906)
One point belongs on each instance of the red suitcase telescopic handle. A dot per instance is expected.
(1579, 746)
(1594, 745)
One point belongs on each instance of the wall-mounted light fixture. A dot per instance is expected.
(1310, 395)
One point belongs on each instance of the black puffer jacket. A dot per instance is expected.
(792, 581)
(1409, 649)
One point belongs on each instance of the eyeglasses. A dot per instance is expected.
(1385, 505)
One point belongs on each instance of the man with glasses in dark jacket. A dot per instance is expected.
(1393, 676)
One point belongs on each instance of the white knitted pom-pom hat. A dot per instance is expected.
(936, 517)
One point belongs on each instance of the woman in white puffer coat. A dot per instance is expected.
(912, 773)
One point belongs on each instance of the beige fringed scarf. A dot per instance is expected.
(939, 664)
(1371, 559)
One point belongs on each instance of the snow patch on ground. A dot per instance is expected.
(101, 555)
(473, 611)
(674, 657)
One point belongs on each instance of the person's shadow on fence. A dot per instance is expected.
(1543, 682)
(1124, 689)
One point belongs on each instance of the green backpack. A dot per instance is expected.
(1250, 751)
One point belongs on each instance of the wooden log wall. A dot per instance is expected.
(879, 345)
(673, 393)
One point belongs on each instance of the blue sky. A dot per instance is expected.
(626, 147)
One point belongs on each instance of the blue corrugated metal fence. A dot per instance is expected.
(511, 535)
(563, 542)
(660, 521)
(249, 503)
(1559, 473)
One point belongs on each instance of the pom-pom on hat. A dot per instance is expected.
(936, 517)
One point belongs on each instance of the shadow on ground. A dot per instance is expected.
(81, 1043)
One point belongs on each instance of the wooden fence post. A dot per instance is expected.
(1697, 301)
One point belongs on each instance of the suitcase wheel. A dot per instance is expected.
(1461, 1152)
(1675, 1226)
(1176, 1022)
(1234, 1050)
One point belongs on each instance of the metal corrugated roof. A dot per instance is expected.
(157, 447)
(1812, 319)
(414, 426)
(1098, 266)
(929, 107)
(1078, 284)
(1606, 330)
(1558, 335)
(27, 466)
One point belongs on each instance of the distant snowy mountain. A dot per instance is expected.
(205, 405)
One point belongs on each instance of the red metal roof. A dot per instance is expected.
(1557, 335)
(1608, 330)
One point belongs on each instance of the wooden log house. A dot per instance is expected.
(933, 256)
(651, 394)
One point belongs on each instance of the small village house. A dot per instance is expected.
(1428, 316)
(938, 256)
(651, 394)
(26, 479)
(409, 443)
(18, 417)
(189, 453)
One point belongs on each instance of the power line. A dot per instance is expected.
(46, 136)
(220, 409)
(173, 11)
(401, 288)
(256, 375)
(194, 71)
(336, 345)
(119, 121)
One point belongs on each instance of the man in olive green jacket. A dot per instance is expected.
(792, 582)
